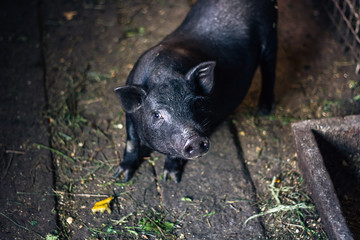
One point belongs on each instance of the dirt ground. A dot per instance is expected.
(89, 47)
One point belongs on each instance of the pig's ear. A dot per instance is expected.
(203, 75)
(131, 97)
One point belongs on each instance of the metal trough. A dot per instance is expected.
(329, 159)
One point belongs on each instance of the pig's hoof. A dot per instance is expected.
(265, 110)
(118, 171)
(174, 175)
(127, 172)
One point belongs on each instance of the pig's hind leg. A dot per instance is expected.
(133, 154)
(267, 67)
(173, 168)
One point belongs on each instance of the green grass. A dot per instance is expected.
(155, 222)
(150, 223)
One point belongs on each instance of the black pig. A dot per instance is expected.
(180, 89)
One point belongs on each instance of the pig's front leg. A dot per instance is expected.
(173, 168)
(133, 153)
(268, 67)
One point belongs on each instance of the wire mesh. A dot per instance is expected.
(345, 16)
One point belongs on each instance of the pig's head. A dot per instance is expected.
(170, 115)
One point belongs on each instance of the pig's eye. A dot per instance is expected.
(157, 115)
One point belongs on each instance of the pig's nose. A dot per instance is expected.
(196, 146)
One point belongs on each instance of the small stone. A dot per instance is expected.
(119, 126)
(69, 220)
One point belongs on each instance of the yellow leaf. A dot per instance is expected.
(69, 15)
(102, 206)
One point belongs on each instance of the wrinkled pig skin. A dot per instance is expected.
(180, 89)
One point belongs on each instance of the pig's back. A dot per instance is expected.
(219, 28)
(233, 33)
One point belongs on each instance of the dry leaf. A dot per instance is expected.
(102, 206)
(69, 15)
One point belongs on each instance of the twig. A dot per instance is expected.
(274, 191)
(345, 63)
(35, 193)
(20, 226)
(116, 201)
(15, 152)
(121, 220)
(80, 194)
(295, 225)
(208, 222)
(158, 227)
(65, 193)
(7, 167)
(86, 194)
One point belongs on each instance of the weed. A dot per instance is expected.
(98, 77)
(284, 119)
(125, 184)
(21, 226)
(151, 224)
(328, 105)
(155, 222)
(288, 210)
(134, 32)
(51, 237)
(279, 206)
(33, 223)
(55, 151)
(209, 214)
(186, 199)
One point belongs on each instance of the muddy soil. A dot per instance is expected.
(89, 48)
(26, 171)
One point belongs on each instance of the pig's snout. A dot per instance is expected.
(196, 146)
